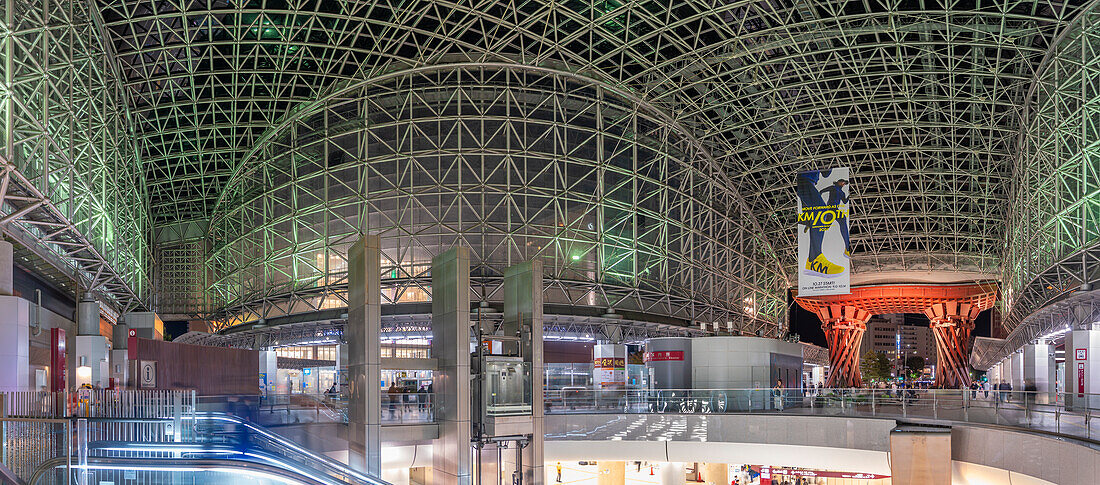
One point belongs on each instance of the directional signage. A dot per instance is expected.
(148, 374)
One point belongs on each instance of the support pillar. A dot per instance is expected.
(363, 333)
(1082, 372)
(672, 473)
(120, 370)
(451, 464)
(1036, 369)
(269, 371)
(611, 473)
(1017, 375)
(15, 317)
(920, 456)
(716, 474)
(7, 269)
(523, 315)
(90, 347)
(844, 327)
(952, 324)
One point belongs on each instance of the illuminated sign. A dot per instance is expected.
(609, 362)
(664, 355)
(799, 472)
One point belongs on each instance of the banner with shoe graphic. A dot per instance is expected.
(823, 249)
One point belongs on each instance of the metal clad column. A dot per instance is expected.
(523, 305)
(364, 355)
(7, 269)
(668, 361)
(451, 383)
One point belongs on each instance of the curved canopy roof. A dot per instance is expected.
(922, 99)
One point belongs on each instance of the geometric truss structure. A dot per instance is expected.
(1053, 252)
(920, 99)
(626, 210)
(71, 185)
(950, 308)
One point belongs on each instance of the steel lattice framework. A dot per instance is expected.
(923, 100)
(72, 189)
(1054, 250)
(628, 211)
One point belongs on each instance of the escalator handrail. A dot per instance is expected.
(328, 462)
(198, 464)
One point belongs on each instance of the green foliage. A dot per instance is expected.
(914, 366)
(874, 366)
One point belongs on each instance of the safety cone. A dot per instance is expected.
(650, 470)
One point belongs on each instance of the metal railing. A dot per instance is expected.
(1066, 414)
(39, 426)
(397, 407)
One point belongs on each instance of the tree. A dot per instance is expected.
(874, 366)
(915, 365)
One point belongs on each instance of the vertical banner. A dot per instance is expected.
(824, 252)
(58, 361)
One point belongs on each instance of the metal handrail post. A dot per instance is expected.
(68, 452)
(82, 450)
(966, 406)
(873, 410)
(935, 406)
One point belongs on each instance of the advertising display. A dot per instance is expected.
(824, 250)
(609, 366)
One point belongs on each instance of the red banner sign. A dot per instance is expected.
(609, 362)
(1080, 379)
(58, 367)
(798, 472)
(664, 355)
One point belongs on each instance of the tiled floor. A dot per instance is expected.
(575, 474)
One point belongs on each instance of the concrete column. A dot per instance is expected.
(89, 347)
(1036, 368)
(119, 369)
(7, 269)
(1017, 372)
(15, 317)
(1082, 368)
(672, 473)
(920, 456)
(611, 473)
(451, 382)
(269, 370)
(523, 310)
(14, 329)
(716, 474)
(363, 333)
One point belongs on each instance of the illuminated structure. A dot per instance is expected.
(211, 160)
(951, 309)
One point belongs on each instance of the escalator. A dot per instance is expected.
(220, 449)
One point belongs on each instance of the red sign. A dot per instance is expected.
(58, 367)
(1082, 354)
(1080, 379)
(133, 333)
(827, 474)
(798, 472)
(609, 362)
(664, 355)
